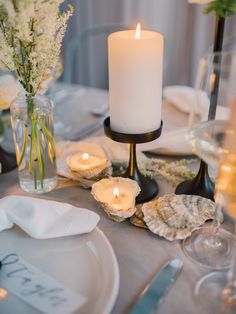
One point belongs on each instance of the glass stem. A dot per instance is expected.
(217, 218)
(232, 272)
(216, 221)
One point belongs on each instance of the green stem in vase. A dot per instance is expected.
(36, 160)
(30, 105)
(50, 142)
(39, 134)
(20, 155)
(40, 158)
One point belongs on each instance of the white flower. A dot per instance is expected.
(9, 90)
(200, 1)
(31, 38)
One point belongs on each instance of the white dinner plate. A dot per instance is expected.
(84, 263)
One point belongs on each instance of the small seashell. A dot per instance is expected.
(120, 207)
(176, 216)
(137, 219)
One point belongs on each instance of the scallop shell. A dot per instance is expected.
(102, 186)
(137, 219)
(176, 216)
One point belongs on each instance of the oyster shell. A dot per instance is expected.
(176, 216)
(65, 149)
(122, 207)
(99, 169)
(137, 219)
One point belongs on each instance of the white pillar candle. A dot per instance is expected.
(135, 80)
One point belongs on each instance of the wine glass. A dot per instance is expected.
(216, 292)
(211, 246)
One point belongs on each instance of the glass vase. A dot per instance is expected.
(32, 123)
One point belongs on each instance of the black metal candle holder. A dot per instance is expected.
(149, 187)
(202, 184)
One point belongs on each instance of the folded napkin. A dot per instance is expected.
(170, 143)
(190, 100)
(43, 219)
(182, 105)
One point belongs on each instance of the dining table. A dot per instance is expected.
(139, 253)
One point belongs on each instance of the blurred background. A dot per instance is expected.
(188, 34)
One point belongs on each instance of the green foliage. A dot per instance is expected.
(173, 172)
(3, 13)
(222, 8)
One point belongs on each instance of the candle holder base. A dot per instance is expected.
(200, 185)
(149, 188)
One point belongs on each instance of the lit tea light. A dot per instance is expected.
(138, 32)
(116, 192)
(86, 165)
(84, 161)
(85, 156)
(117, 196)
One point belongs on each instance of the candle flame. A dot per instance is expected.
(212, 81)
(85, 156)
(138, 32)
(223, 181)
(116, 192)
(226, 168)
(3, 293)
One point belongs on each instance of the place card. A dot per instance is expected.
(36, 288)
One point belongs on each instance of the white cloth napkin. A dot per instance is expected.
(43, 219)
(188, 99)
(193, 103)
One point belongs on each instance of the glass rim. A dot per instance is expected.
(209, 57)
(218, 53)
(223, 56)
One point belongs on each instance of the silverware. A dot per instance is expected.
(88, 130)
(154, 293)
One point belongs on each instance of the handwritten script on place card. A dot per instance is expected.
(36, 288)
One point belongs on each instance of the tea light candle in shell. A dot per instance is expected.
(116, 196)
(88, 166)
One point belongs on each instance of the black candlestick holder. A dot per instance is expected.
(202, 184)
(149, 187)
